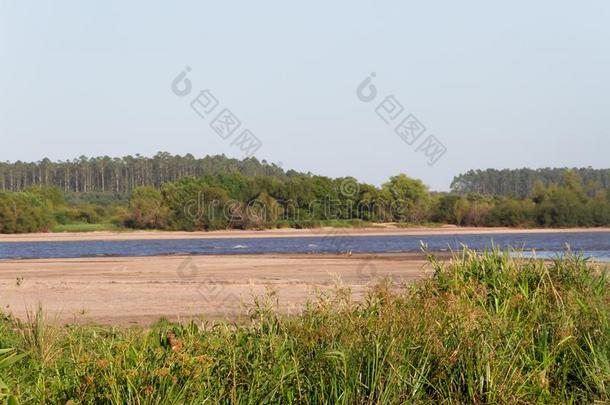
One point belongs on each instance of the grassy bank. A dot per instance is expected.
(485, 329)
(84, 227)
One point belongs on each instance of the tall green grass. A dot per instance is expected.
(84, 227)
(484, 329)
(7, 359)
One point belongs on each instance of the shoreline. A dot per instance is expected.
(282, 233)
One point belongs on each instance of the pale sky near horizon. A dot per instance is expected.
(506, 85)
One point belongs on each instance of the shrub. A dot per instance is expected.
(24, 212)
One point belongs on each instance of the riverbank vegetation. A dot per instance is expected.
(184, 193)
(522, 183)
(483, 329)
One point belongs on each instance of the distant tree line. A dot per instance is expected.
(121, 175)
(520, 183)
(231, 199)
(223, 201)
(237, 201)
(553, 206)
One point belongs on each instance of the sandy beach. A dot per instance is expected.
(140, 290)
(276, 233)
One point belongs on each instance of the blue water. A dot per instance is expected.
(590, 244)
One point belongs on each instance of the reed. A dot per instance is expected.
(486, 328)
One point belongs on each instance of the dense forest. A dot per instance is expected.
(122, 175)
(232, 199)
(521, 183)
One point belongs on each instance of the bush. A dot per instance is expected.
(194, 205)
(511, 213)
(147, 210)
(24, 212)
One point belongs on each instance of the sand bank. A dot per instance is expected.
(140, 290)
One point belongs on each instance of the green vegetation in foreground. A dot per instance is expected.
(483, 329)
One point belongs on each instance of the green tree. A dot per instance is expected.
(510, 212)
(147, 210)
(194, 205)
(409, 198)
(24, 212)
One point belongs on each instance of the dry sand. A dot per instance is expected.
(382, 229)
(140, 290)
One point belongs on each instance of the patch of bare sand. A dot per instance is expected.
(140, 290)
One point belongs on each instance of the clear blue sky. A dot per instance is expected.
(516, 84)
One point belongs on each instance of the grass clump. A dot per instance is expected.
(484, 329)
(84, 227)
